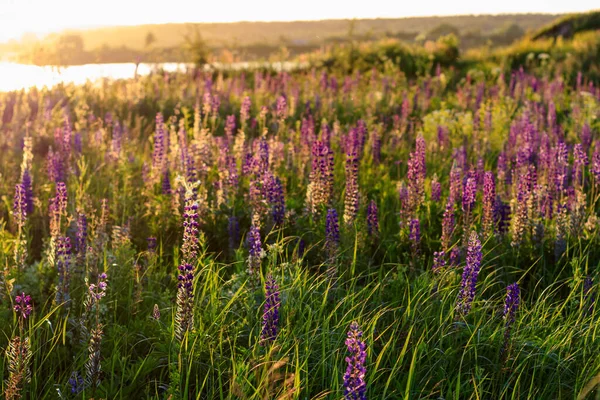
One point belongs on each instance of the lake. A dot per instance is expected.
(15, 76)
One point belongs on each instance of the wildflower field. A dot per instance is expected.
(304, 235)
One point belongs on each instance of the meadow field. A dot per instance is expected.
(317, 234)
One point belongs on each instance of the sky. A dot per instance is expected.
(45, 16)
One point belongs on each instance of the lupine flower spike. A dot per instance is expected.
(511, 305)
(469, 276)
(270, 312)
(355, 385)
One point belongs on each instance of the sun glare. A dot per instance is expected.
(18, 17)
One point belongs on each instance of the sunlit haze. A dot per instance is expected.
(42, 16)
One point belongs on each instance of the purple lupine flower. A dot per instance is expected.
(416, 174)
(81, 235)
(351, 198)
(191, 224)
(595, 168)
(470, 274)
(245, 110)
(185, 278)
(60, 201)
(580, 160)
(76, 382)
(586, 136)
(436, 190)
(270, 311)
(372, 219)
(98, 290)
(320, 188)
(415, 235)
(23, 306)
(455, 184)
(439, 261)
(355, 385)
(63, 267)
(489, 203)
(281, 108)
(454, 258)
(520, 219)
(27, 184)
(276, 198)
(151, 241)
(469, 193)
(332, 229)
(233, 229)
(166, 183)
(511, 304)
(184, 315)
(158, 153)
(230, 126)
(255, 250)
(448, 223)
(20, 206)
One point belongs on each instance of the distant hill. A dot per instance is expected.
(256, 40)
(570, 25)
(245, 33)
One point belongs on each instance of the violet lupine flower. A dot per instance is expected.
(20, 206)
(27, 184)
(151, 241)
(351, 197)
(470, 274)
(23, 306)
(332, 230)
(372, 219)
(166, 183)
(439, 261)
(415, 235)
(454, 256)
(469, 193)
(586, 137)
(416, 174)
(156, 313)
(489, 203)
(60, 201)
(98, 290)
(76, 382)
(281, 108)
(580, 160)
(320, 188)
(520, 219)
(245, 110)
(63, 267)
(255, 250)
(270, 312)
(276, 198)
(81, 236)
(191, 224)
(230, 126)
(233, 229)
(448, 223)
(455, 184)
(184, 314)
(355, 385)
(595, 168)
(158, 153)
(511, 304)
(436, 190)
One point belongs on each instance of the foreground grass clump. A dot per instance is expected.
(301, 236)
